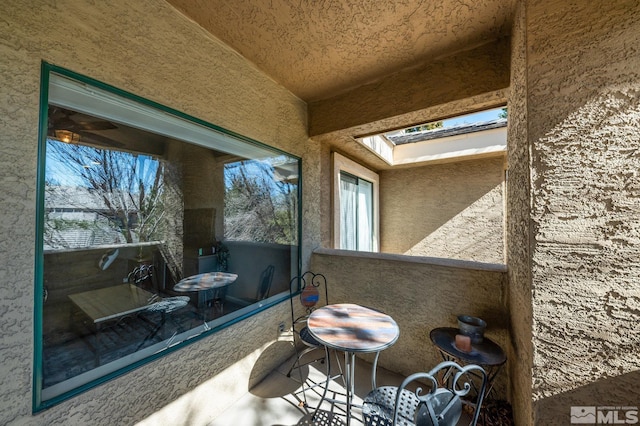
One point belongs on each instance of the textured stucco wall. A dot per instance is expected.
(148, 48)
(518, 228)
(583, 114)
(337, 45)
(440, 81)
(452, 210)
(420, 294)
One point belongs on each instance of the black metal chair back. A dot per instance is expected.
(312, 288)
(440, 406)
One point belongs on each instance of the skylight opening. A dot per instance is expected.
(449, 138)
(469, 123)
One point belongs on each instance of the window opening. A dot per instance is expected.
(356, 213)
(355, 204)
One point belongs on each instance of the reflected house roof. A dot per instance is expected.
(82, 198)
(83, 238)
(80, 209)
(286, 171)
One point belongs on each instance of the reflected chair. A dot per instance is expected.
(143, 277)
(264, 286)
(165, 307)
(313, 289)
(450, 387)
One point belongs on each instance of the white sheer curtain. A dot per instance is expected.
(356, 213)
(348, 212)
(365, 213)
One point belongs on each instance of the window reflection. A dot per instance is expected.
(260, 201)
(149, 241)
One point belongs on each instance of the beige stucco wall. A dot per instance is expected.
(452, 210)
(420, 294)
(147, 48)
(518, 229)
(583, 115)
(444, 79)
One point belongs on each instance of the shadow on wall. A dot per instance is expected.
(612, 400)
(474, 234)
(275, 354)
(450, 210)
(585, 162)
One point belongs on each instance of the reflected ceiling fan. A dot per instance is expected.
(70, 126)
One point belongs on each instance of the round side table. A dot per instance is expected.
(487, 354)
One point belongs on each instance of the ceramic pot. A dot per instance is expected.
(472, 326)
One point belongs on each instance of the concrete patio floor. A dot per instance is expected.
(278, 401)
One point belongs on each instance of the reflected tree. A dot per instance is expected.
(117, 195)
(259, 206)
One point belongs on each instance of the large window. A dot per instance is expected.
(355, 206)
(155, 229)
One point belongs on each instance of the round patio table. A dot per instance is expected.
(352, 329)
(206, 281)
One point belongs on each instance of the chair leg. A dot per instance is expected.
(155, 331)
(299, 356)
(326, 386)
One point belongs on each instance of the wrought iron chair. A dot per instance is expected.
(313, 294)
(441, 405)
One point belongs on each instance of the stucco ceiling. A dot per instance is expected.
(320, 48)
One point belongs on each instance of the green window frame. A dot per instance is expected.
(117, 218)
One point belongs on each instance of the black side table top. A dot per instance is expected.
(485, 353)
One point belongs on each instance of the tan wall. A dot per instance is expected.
(445, 79)
(583, 115)
(147, 48)
(518, 229)
(419, 294)
(452, 210)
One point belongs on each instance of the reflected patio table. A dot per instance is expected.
(214, 281)
(109, 305)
